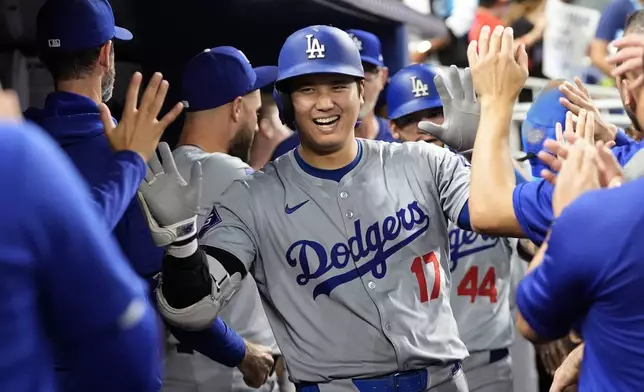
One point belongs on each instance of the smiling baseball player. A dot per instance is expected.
(480, 264)
(346, 238)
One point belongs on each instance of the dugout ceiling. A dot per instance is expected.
(167, 33)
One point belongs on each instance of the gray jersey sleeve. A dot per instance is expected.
(451, 174)
(231, 224)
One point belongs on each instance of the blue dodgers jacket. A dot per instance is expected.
(74, 122)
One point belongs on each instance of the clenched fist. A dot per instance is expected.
(257, 364)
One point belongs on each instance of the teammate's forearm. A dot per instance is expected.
(219, 342)
(115, 191)
(493, 177)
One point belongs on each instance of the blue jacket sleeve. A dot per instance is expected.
(94, 304)
(114, 192)
(532, 202)
(557, 294)
(219, 343)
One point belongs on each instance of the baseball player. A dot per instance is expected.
(480, 265)
(346, 238)
(497, 203)
(569, 283)
(63, 280)
(75, 40)
(376, 74)
(221, 94)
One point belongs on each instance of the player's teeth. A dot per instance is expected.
(325, 121)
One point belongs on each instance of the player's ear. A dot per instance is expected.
(394, 130)
(361, 90)
(384, 75)
(236, 109)
(104, 55)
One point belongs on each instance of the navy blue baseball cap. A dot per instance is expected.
(369, 46)
(539, 125)
(217, 76)
(73, 25)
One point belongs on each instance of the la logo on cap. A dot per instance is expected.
(419, 89)
(53, 43)
(314, 49)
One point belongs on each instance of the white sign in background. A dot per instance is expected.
(566, 39)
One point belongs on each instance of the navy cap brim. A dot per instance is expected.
(122, 34)
(372, 61)
(265, 76)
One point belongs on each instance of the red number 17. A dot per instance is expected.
(418, 268)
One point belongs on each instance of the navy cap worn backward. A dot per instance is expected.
(411, 90)
(74, 25)
(319, 49)
(217, 76)
(368, 45)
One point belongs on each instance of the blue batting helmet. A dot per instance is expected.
(539, 125)
(410, 90)
(319, 49)
(314, 50)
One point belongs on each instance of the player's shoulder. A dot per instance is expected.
(604, 213)
(390, 149)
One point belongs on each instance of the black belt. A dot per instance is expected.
(498, 354)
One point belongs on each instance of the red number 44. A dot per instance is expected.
(418, 268)
(470, 286)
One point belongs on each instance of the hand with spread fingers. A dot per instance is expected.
(629, 58)
(611, 173)
(461, 111)
(577, 99)
(169, 203)
(139, 130)
(582, 130)
(499, 72)
(579, 174)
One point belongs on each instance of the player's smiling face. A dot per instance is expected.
(326, 109)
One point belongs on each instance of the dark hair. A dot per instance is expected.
(415, 117)
(488, 3)
(71, 65)
(635, 21)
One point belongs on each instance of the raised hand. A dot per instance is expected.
(139, 130)
(461, 111)
(498, 70)
(579, 174)
(629, 58)
(577, 99)
(169, 202)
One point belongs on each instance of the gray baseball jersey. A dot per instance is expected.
(355, 270)
(481, 280)
(244, 313)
